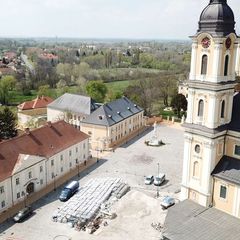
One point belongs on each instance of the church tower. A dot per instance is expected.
(210, 99)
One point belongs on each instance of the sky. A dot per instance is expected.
(130, 19)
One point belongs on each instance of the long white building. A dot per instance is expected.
(34, 160)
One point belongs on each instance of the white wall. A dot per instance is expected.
(6, 196)
(41, 178)
(54, 115)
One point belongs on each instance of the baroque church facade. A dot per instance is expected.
(211, 166)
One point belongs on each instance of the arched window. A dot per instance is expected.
(223, 109)
(196, 169)
(200, 108)
(197, 148)
(226, 65)
(204, 64)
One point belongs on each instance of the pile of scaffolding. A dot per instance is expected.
(98, 194)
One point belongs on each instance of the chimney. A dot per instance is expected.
(27, 131)
(49, 124)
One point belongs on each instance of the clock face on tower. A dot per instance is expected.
(206, 42)
(228, 43)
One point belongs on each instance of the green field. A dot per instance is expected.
(119, 86)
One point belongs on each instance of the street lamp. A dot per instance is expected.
(158, 184)
(78, 163)
(54, 182)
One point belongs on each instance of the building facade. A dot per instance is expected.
(113, 123)
(211, 166)
(32, 161)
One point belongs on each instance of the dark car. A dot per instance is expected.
(23, 214)
(69, 191)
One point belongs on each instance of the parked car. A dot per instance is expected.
(167, 202)
(22, 214)
(158, 180)
(69, 191)
(149, 180)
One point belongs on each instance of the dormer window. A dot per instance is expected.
(100, 117)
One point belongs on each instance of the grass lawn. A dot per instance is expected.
(119, 86)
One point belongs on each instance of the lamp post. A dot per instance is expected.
(54, 182)
(158, 184)
(78, 168)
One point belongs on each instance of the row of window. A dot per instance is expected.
(201, 108)
(204, 65)
(41, 169)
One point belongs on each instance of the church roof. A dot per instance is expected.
(228, 169)
(217, 18)
(189, 221)
(234, 125)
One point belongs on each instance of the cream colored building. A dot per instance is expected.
(211, 167)
(113, 123)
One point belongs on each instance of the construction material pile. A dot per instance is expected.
(84, 206)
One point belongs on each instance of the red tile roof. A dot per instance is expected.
(39, 102)
(45, 141)
(6, 70)
(48, 56)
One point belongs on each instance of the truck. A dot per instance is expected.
(69, 190)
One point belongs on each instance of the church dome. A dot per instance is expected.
(217, 18)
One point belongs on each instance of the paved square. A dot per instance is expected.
(131, 162)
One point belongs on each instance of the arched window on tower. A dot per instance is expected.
(226, 65)
(195, 169)
(223, 109)
(200, 108)
(204, 64)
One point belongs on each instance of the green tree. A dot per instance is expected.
(142, 93)
(179, 103)
(44, 90)
(7, 124)
(97, 90)
(7, 84)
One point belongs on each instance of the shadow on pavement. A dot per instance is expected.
(51, 197)
(135, 139)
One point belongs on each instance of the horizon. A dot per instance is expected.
(103, 19)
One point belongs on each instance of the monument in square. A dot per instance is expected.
(155, 141)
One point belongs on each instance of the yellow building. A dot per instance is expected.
(113, 123)
(211, 167)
